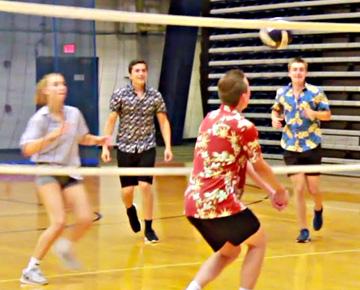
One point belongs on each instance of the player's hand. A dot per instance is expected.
(168, 155)
(61, 130)
(276, 122)
(280, 199)
(105, 154)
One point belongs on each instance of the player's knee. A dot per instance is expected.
(144, 186)
(299, 191)
(262, 237)
(146, 190)
(229, 251)
(85, 220)
(259, 239)
(58, 225)
(230, 256)
(236, 253)
(129, 190)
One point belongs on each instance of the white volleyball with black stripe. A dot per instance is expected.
(275, 38)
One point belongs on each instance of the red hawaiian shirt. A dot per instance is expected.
(226, 141)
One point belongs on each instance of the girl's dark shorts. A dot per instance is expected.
(63, 181)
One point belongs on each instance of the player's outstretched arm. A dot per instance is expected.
(258, 180)
(280, 196)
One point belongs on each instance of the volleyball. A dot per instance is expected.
(275, 38)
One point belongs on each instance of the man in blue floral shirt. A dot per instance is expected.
(302, 106)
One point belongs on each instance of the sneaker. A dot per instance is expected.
(33, 276)
(304, 236)
(318, 219)
(133, 219)
(64, 251)
(151, 237)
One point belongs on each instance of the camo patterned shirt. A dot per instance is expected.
(136, 131)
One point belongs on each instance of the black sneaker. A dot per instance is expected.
(133, 219)
(318, 219)
(304, 236)
(151, 237)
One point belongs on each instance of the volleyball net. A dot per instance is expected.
(40, 38)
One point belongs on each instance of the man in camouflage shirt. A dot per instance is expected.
(136, 105)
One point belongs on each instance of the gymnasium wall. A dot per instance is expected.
(24, 38)
(117, 44)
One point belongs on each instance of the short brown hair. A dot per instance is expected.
(231, 86)
(298, 60)
(135, 62)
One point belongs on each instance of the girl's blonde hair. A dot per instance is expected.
(40, 96)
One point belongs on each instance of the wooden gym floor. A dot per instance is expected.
(115, 258)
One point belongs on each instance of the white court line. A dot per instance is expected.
(179, 265)
(343, 208)
(313, 254)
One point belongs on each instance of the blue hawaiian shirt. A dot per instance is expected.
(300, 134)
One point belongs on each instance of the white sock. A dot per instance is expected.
(33, 263)
(244, 288)
(193, 286)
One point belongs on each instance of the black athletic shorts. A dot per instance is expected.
(234, 229)
(143, 159)
(310, 157)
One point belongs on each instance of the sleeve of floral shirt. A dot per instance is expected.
(278, 105)
(322, 102)
(159, 104)
(251, 144)
(115, 101)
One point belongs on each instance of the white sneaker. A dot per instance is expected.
(33, 276)
(64, 251)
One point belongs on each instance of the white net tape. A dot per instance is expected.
(157, 171)
(162, 19)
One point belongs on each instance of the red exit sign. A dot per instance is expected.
(69, 48)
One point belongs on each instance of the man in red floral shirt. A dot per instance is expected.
(226, 143)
